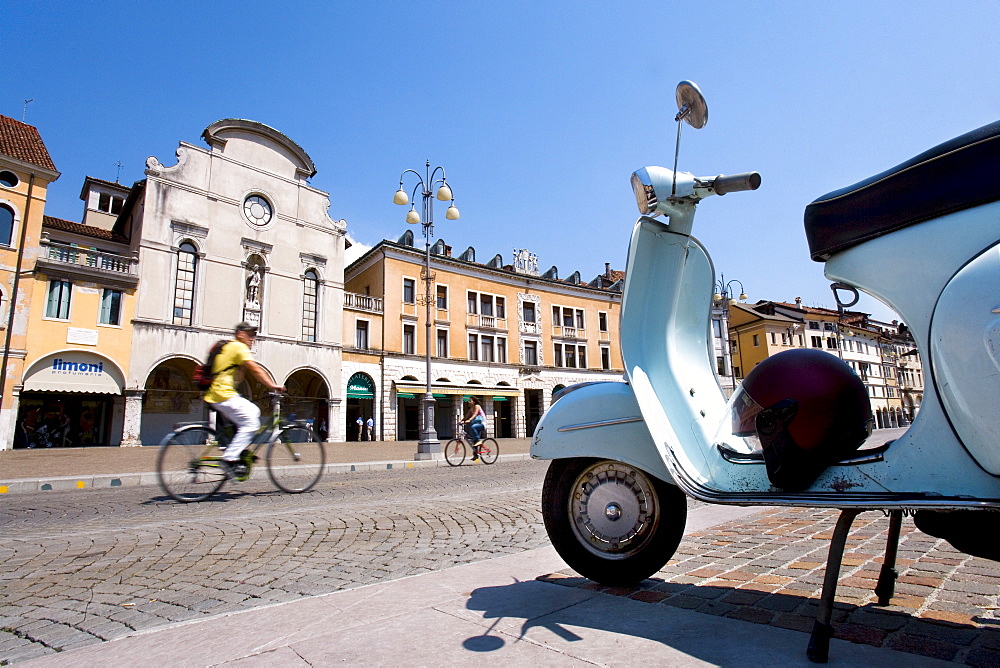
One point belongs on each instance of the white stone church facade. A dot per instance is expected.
(234, 232)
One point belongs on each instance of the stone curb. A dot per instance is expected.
(112, 480)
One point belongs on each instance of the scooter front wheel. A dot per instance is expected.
(611, 522)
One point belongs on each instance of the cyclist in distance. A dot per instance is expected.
(476, 419)
(223, 397)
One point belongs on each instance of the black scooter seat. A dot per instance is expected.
(958, 174)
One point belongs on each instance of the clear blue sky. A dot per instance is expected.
(539, 111)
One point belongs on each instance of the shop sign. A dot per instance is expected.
(71, 371)
(360, 386)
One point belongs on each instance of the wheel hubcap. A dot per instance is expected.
(613, 509)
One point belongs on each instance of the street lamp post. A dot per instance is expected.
(428, 447)
(724, 296)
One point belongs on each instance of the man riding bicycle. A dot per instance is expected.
(223, 397)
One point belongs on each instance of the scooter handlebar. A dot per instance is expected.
(736, 182)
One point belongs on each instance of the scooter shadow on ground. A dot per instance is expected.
(566, 611)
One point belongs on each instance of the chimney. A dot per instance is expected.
(798, 302)
(607, 270)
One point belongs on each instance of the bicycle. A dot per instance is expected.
(190, 468)
(455, 451)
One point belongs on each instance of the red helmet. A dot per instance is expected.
(809, 410)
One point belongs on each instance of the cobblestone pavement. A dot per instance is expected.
(769, 570)
(82, 568)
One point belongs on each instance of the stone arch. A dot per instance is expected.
(170, 397)
(308, 399)
(362, 398)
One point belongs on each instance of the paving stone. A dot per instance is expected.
(161, 562)
(922, 645)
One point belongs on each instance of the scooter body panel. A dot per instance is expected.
(600, 420)
(965, 353)
(948, 309)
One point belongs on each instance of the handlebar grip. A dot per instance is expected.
(736, 182)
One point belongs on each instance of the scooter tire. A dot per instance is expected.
(652, 515)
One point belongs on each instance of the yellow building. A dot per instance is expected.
(80, 329)
(871, 349)
(26, 170)
(500, 331)
(756, 334)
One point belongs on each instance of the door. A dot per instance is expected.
(532, 410)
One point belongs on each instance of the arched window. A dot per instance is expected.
(187, 265)
(6, 224)
(310, 304)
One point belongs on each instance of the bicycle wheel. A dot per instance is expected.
(489, 451)
(188, 465)
(295, 460)
(454, 452)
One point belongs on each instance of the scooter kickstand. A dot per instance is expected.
(886, 586)
(818, 650)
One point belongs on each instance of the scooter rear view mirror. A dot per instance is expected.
(693, 110)
(691, 105)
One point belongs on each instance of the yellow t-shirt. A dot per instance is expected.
(227, 363)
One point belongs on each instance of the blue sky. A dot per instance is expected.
(539, 111)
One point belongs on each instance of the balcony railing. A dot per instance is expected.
(531, 328)
(88, 257)
(363, 302)
(486, 321)
(87, 264)
(569, 332)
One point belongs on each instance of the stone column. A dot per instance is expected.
(8, 420)
(335, 421)
(133, 418)
(489, 408)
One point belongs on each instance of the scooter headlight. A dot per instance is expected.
(654, 187)
(645, 194)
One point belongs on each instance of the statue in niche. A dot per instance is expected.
(253, 286)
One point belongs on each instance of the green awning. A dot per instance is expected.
(464, 391)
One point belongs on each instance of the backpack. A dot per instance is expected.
(203, 374)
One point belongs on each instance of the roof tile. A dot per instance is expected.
(79, 228)
(22, 142)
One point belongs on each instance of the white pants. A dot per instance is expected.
(246, 416)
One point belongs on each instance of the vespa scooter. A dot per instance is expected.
(624, 455)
